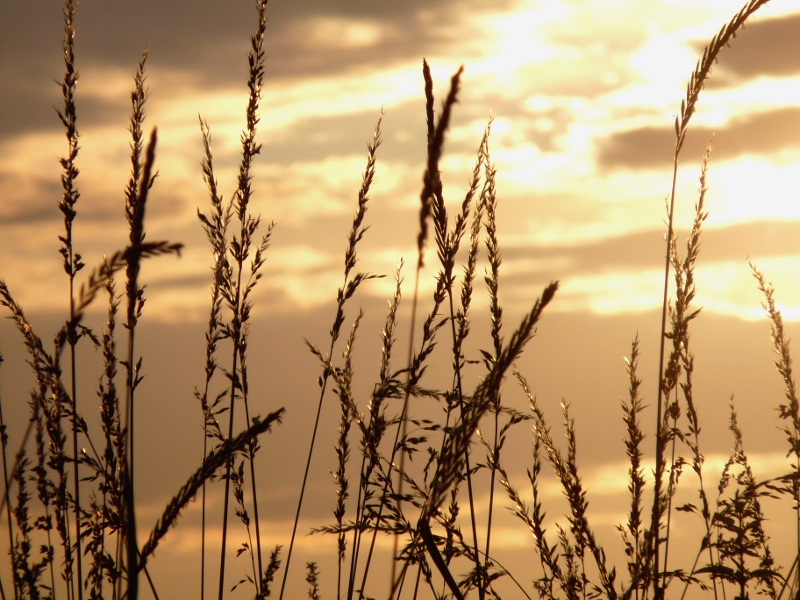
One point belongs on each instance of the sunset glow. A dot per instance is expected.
(582, 99)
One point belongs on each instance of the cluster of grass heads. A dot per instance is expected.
(62, 545)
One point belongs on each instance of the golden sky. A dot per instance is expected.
(583, 102)
(583, 94)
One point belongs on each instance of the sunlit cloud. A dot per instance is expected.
(327, 32)
(548, 143)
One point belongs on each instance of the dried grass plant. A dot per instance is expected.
(89, 548)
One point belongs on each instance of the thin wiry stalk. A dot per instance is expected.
(255, 275)
(216, 231)
(535, 521)
(684, 280)
(788, 577)
(26, 574)
(135, 215)
(494, 453)
(343, 379)
(349, 287)
(136, 191)
(431, 201)
(492, 280)
(632, 534)
(372, 433)
(72, 260)
(44, 486)
(701, 73)
(681, 359)
(459, 336)
(237, 481)
(430, 327)
(312, 578)
(345, 393)
(6, 487)
(449, 244)
(232, 291)
(519, 509)
(48, 376)
(577, 498)
(387, 483)
(791, 411)
(567, 473)
(451, 462)
(111, 508)
(135, 304)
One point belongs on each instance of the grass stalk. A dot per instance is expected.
(43, 484)
(136, 191)
(449, 243)
(372, 433)
(114, 438)
(349, 287)
(72, 260)
(453, 455)
(215, 228)
(6, 496)
(234, 293)
(791, 411)
(431, 203)
(684, 282)
(681, 362)
(492, 280)
(632, 532)
(349, 413)
(135, 304)
(700, 74)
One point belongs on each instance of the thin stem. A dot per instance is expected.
(303, 485)
(398, 436)
(452, 245)
(216, 231)
(374, 431)
(231, 413)
(659, 470)
(349, 287)
(236, 298)
(431, 202)
(699, 75)
(492, 280)
(4, 442)
(72, 260)
(134, 308)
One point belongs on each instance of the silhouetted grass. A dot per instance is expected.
(61, 545)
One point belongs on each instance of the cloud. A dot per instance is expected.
(645, 248)
(577, 196)
(27, 199)
(765, 48)
(763, 133)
